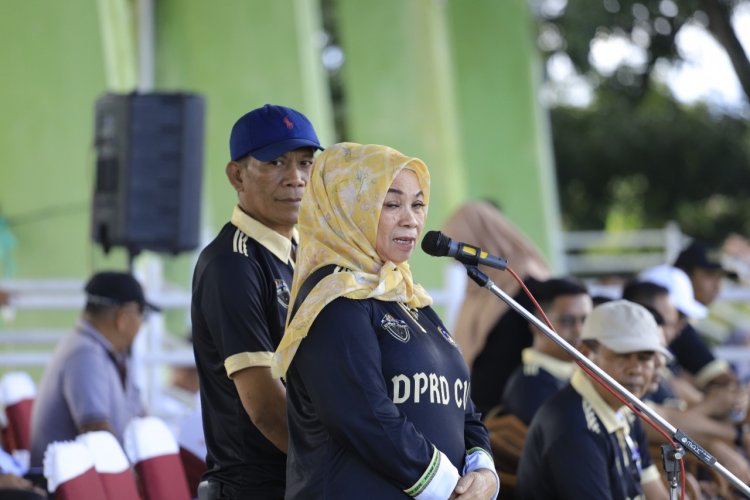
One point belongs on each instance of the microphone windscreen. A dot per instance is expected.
(436, 244)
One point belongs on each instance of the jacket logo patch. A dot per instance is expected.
(282, 293)
(447, 336)
(398, 329)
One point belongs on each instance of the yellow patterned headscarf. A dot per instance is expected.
(338, 225)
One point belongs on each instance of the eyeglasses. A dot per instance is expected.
(567, 320)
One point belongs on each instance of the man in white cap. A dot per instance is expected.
(689, 348)
(582, 441)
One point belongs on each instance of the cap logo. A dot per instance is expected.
(288, 123)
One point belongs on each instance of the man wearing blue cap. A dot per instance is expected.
(239, 306)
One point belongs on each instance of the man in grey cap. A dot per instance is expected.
(239, 305)
(582, 441)
(87, 385)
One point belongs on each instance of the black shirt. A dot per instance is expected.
(573, 452)
(239, 306)
(367, 403)
(500, 356)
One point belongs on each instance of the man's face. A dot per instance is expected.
(633, 370)
(271, 192)
(672, 322)
(129, 319)
(566, 313)
(706, 284)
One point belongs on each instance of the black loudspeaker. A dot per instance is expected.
(149, 168)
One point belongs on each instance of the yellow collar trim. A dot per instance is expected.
(558, 368)
(277, 244)
(612, 420)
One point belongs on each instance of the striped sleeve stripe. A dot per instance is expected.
(438, 481)
(429, 473)
(239, 242)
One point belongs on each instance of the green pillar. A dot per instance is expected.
(399, 91)
(504, 129)
(119, 42)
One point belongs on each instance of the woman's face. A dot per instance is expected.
(401, 219)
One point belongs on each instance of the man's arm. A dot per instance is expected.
(264, 400)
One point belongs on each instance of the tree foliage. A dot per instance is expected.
(658, 160)
(635, 151)
(649, 24)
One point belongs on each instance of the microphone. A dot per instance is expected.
(437, 244)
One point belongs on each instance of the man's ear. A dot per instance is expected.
(120, 317)
(234, 174)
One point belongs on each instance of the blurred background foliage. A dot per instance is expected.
(632, 155)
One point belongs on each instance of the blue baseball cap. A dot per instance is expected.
(268, 132)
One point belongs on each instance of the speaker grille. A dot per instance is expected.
(149, 169)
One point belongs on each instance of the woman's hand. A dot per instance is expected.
(478, 484)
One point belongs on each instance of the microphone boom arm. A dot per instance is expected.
(679, 437)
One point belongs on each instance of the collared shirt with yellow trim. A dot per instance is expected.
(539, 378)
(240, 300)
(578, 447)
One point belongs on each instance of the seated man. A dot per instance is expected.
(87, 385)
(546, 366)
(709, 421)
(688, 346)
(702, 264)
(582, 443)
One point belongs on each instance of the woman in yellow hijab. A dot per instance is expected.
(377, 391)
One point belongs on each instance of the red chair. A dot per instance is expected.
(17, 393)
(153, 450)
(192, 445)
(111, 464)
(69, 469)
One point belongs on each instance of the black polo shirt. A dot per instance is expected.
(539, 378)
(500, 355)
(577, 447)
(240, 300)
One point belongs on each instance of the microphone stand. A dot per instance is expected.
(684, 441)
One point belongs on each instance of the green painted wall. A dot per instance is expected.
(504, 130)
(52, 73)
(238, 53)
(452, 82)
